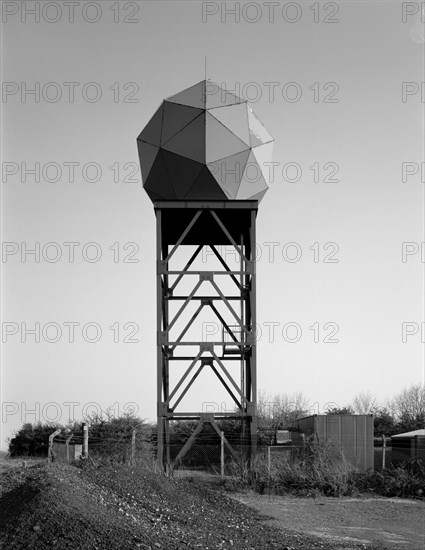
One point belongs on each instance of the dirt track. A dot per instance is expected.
(394, 523)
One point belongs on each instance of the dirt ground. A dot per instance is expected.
(128, 508)
(394, 523)
(124, 508)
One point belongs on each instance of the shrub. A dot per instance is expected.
(407, 480)
(321, 469)
(31, 439)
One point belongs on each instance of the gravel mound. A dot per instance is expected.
(123, 507)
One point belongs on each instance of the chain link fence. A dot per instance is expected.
(127, 448)
(206, 454)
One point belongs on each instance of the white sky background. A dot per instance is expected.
(369, 212)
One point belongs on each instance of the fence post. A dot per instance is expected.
(67, 447)
(222, 453)
(85, 441)
(384, 446)
(269, 459)
(50, 449)
(133, 446)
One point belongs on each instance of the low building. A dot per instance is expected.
(408, 446)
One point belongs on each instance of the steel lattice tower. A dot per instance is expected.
(195, 155)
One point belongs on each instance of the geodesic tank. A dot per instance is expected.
(204, 143)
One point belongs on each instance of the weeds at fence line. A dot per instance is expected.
(321, 469)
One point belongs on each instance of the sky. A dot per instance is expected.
(340, 233)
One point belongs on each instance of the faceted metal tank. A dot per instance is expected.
(204, 143)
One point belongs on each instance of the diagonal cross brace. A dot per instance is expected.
(188, 299)
(187, 327)
(193, 435)
(183, 235)
(229, 391)
(186, 267)
(226, 372)
(228, 235)
(232, 311)
(189, 442)
(184, 392)
(217, 429)
(226, 267)
(226, 326)
(183, 378)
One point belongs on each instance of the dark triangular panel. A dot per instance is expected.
(176, 117)
(193, 96)
(147, 155)
(190, 142)
(183, 172)
(206, 188)
(159, 181)
(228, 172)
(215, 96)
(152, 131)
(153, 196)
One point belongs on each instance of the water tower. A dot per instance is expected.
(203, 157)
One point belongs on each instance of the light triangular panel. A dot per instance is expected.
(263, 154)
(147, 155)
(183, 172)
(158, 181)
(152, 131)
(259, 196)
(258, 134)
(220, 142)
(176, 117)
(229, 171)
(235, 118)
(215, 96)
(205, 186)
(193, 96)
(252, 182)
(190, 142)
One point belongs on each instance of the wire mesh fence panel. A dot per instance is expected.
(128, 448)
(62, 452)
(202, 456)
(124, 450)
(209, 456)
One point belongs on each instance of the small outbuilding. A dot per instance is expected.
(408, 446)
(351, 433)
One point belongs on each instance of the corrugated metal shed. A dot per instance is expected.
(352, 433)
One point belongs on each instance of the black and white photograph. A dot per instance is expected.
(212, 275)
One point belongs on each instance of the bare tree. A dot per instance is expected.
(365, 403)
(277, 411)
(408, 407)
